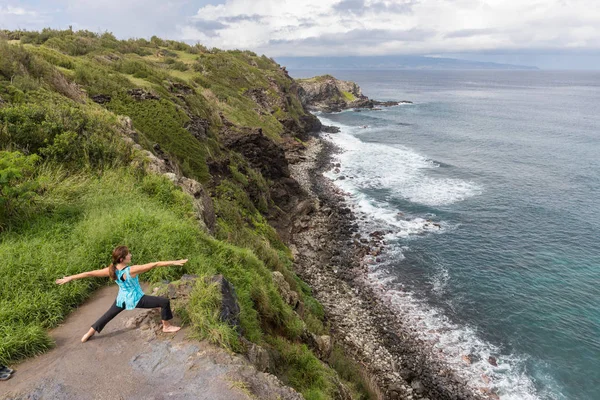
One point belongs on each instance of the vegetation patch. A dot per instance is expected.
(69, 193)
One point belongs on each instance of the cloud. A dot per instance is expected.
(361, 7)
(21, 17)
(470, 32)
(326, 27)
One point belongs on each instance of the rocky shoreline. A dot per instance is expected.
(330, 257)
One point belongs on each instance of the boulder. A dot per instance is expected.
(322, 345)
(258, 356)
(230, 309)
(288, 295)
(330, 129)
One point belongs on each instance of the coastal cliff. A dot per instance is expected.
(180, 151)
(328, 94)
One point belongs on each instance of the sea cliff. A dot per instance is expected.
(181, 151)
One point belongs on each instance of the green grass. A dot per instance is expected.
(348, 96)
(81, 219)
(302, 370)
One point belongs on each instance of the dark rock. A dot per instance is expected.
(385, 103)
(163, 156)
(230, 309)
(141, 94)
(101, 98)
(259, 96)
(262, 153)
(198, 127)
(305, 207)
(407, 374)
(178, 87)
(322, 345)
(330, 129)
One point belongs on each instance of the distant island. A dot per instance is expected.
(393, 63)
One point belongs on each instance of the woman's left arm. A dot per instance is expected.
(139, 269)
(99, 273)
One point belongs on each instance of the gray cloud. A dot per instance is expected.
(359, 7)
(242, 18)
(359, 38)
(470, 32)
(350, 5)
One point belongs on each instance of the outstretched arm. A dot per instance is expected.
(99, 273)
(138, 269)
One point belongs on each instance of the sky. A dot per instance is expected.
(551, 34)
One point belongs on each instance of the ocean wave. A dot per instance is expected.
(398, 169)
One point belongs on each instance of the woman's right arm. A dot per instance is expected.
(99, 273)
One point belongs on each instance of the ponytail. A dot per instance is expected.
(112, 272)
(118, 255)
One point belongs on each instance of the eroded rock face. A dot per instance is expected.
(261, 152)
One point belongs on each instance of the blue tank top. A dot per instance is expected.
(130, 291)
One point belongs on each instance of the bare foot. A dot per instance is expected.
(88, 335)
(171, 328)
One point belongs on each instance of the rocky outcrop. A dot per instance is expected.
(328, 94)
(265, 155)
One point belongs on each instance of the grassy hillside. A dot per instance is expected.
(72, 188)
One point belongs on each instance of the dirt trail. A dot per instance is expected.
(133, 359)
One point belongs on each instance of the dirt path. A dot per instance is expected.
(133, 359)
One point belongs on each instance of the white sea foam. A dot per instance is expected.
(397, 169)
(450, 342)
(403, 173)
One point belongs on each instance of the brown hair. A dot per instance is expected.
(118, 254)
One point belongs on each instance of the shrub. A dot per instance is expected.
(17, 187)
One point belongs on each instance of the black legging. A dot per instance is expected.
(145, 302)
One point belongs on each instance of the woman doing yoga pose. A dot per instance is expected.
(130, 294)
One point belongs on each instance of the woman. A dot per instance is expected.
(130, 294)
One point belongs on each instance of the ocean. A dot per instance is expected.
(488, 190)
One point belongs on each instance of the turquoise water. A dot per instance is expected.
(508, 164)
